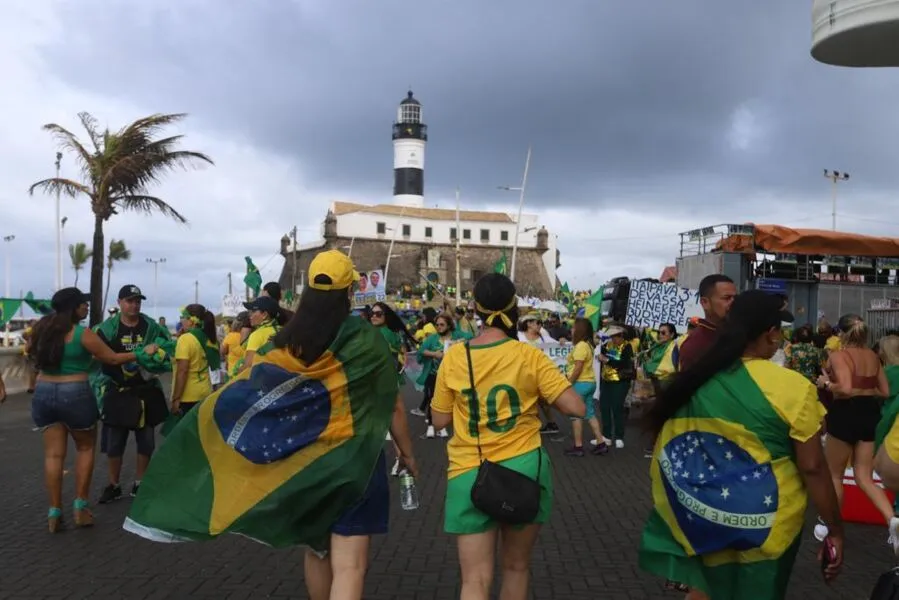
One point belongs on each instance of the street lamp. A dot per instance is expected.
(58, 225)
(521, 189)
(8, 239)
(392, 242)
(62, 226)
(835, 177)
(155, 263)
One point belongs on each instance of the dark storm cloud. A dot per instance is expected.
(617, 97)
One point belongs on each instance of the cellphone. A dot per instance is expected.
(828, 555)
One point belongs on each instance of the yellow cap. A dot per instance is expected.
(337, 266)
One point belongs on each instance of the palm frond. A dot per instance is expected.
(62, 185)
(133, 174)
(118, 251)
(66, 140)
(147, 205)
(90, 126)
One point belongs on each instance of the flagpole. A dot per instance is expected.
(524, 183)
(458, 252)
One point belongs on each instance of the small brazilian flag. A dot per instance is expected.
(280, 453)
(728, 500)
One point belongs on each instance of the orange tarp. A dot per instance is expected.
(779, 239)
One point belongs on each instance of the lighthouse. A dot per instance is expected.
(409, 138)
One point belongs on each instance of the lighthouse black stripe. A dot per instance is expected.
(408, 182)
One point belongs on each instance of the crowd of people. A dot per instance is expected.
(744, 422)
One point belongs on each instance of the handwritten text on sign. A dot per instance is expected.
(232, 305)
(651, 304)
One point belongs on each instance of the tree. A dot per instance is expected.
(117, 253)
(116, 174)
(79, 255)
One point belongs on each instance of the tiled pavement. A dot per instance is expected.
(588, 550)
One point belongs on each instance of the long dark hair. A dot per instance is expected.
(48, 337)
(752, 314)
(496, 292)
(206, 318)
(393, 322)
(582, 331)
(315, 324)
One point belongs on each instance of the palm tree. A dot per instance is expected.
(116, 174)
(79, 255)
(117, 253)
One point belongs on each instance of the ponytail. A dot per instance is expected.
(209, 327)
(48, 339)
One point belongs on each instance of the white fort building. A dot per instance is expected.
(411, 242)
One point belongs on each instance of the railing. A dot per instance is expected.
(706, 239)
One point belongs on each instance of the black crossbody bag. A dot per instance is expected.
(501, 493)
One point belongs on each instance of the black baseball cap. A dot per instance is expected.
(68, 298)
(131, 291)
(758, 311)
(264, 304)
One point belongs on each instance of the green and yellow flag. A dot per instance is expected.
(278, 454)
(593, 309)
(500, 266)
(729, 502)
(253, 279)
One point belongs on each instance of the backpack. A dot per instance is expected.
(887, 587)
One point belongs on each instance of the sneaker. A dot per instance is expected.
(821, 530)
(549, 428)
(893, 540)
(574, 451)
(600, 449)
(443, 433)
(111, 493)
(417, 412)
(648, 453)
(430, 432)
(605, 440)
(619, 444)
(135, 487)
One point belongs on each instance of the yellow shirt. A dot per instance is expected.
(235, 350)
(425, 331)
(833, 343)
(259, 337)
(197, 386)
(510, 376)
(582, 351)
(891, 442)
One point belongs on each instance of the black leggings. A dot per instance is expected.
(428, 395)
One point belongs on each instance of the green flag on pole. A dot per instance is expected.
(500, 265)
(253, 279)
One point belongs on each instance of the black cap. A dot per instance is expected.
(265, 304)
(68, 299)
(131, 291)
(758, 311)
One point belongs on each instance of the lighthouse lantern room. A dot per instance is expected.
(409, 138)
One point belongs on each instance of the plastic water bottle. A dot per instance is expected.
(408, 492)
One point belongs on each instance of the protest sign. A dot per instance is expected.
(232, 304)
(651, 304)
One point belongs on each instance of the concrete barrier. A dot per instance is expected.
(15, 370)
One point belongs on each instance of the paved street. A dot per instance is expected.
(588, 550)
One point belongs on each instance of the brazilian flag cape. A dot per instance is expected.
(890, 408)
(278, 454)
(728, 501)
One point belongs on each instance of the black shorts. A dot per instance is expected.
(853, 420)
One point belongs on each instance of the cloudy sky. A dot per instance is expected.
(646, 119)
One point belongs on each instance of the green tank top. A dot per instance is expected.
(75, 357)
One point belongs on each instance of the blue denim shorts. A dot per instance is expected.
(370, 516)
(72, 404)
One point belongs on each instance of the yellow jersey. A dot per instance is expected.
(833, 343)
(584, 352)
(425, 331)
(235, 350)
(197, 386)
(260, 337)
(510, 376)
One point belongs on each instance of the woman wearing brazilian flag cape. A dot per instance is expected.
(290, 452)
(737, 455)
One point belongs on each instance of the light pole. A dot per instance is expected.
(8, 239)
(155, 262)
(392, 242)
(835, 177)
(520, 189)
(62, 232)
(58, 225)
(458, 252)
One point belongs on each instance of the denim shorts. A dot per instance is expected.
(113, 441)
(71, 404)
(370, 516)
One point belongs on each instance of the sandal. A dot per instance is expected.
(54, 519)
(83, 516)
(673, 586)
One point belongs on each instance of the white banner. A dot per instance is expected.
(651, 304)
(558, 353)
(232, 304)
